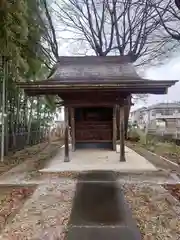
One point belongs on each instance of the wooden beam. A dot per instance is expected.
(84, 103)
(66, 135)
(122, 146)
(114, 127)
(72, 129)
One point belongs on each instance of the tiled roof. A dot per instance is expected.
(91, 68)
(157, 106)
(90, 73)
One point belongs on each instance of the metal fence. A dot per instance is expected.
(21, 139)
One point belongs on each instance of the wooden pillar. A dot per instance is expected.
(114, 127)
(66, 135)
(126, 114)
(72, 129)
(122, 135)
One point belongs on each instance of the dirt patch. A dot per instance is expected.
(13, 159)
(165, 149)
(40, 161)
(11, 201)
(28, 170)
(157, 217)
(174, 189)
(168, 150)
(156, 160)
(44, 215)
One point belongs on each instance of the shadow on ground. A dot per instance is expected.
(99, 210)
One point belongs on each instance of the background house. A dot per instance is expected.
(139, 117)
(161, 118)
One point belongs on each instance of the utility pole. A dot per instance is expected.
(147, 125)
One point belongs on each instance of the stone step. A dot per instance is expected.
(99, 210)
(102, 233)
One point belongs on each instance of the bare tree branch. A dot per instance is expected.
(170, 19)
(127, 26)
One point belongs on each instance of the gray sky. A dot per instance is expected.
(168, 71)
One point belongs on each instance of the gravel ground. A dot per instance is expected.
(174, 189)
(18, 157)
(45, 215)
(156, 212)
(11, 201)
(28, 169)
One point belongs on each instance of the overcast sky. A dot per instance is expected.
(168, 71)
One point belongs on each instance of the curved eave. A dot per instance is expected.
(134, 87)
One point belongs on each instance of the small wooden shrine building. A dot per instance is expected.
(95, 91)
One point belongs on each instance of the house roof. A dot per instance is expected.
(158, 106)
(164, 105)
(92, 72)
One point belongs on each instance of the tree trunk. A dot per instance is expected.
(29, 122)
(38, 130)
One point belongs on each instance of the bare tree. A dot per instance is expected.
(112, 27)
(123, 27)
(170, 28)
(50, 32)
(48, 44)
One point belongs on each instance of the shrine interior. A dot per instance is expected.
(93, 127)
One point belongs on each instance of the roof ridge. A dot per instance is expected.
(91, 58)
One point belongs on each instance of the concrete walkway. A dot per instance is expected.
(98, 159)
